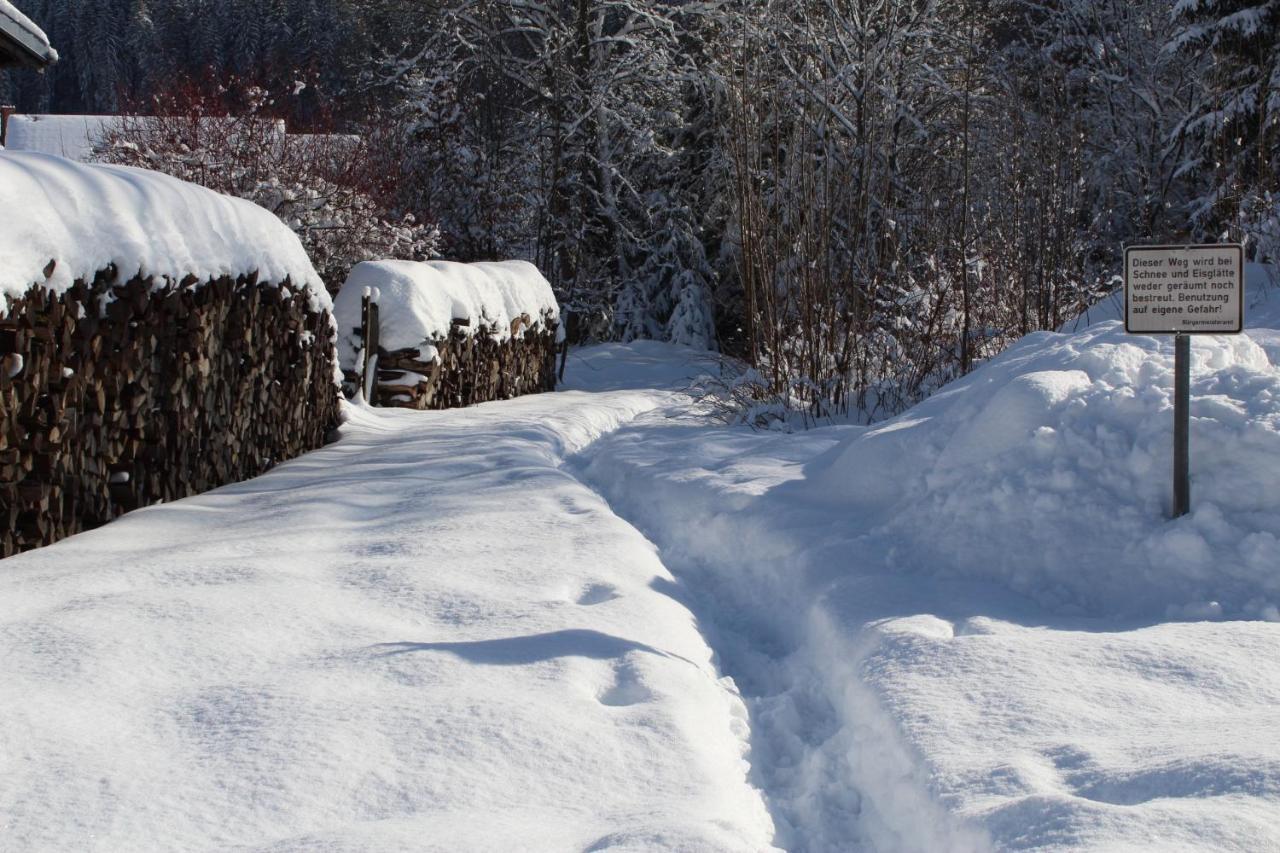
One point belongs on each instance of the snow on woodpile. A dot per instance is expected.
(450, 334)
(24, 29)
(87, 218)
(418, 302)
(157, 339)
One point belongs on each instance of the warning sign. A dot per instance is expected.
(1184, 289)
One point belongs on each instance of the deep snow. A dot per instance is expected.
(435, 634)
(972, 627)
(426, 636)
(51, 209)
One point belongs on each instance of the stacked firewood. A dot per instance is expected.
(115, 395)
(464, 368)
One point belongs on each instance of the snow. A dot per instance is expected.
(1050, 466)
(70, 136)
(417, 302)
(76, 136)
(973, 627)
(567, 621)
(27, 26)
(425, 636)
(87, 217)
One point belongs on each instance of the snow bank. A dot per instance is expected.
(1060, 736)
(1049, 471)
(86, 218)
(419, 301)
(901, 696)
(38, 41)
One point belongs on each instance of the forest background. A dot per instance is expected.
(858, 200)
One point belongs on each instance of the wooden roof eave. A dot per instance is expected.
(20, 47)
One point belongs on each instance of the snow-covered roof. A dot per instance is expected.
(21, 41)
(74, 136)
(325, 142)
(67, 136)
(87, 217)
(417, 302)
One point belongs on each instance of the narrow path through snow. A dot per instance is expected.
(799, 748)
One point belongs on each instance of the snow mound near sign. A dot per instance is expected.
(1049, 472)
(418, 302)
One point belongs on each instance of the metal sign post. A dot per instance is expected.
(1181, 425)
(1183, 291)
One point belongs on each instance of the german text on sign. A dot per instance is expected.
(1184, 289)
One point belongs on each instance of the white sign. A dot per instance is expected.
(1184, 289)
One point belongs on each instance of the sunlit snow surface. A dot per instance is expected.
(969, 628)
(425, 637)
(973, 627)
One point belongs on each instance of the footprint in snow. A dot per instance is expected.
(598, 593)
(627, 689)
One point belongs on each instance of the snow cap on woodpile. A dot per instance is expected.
(61, 221)
(418, 302)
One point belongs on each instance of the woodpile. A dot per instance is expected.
(466, 369)
(118, 395)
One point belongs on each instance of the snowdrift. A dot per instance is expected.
(157, 339)
(450, 334)
(972, 628)
(1049, 469)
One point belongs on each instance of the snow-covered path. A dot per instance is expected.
(972, 627)
(969, 628)
(427, 636)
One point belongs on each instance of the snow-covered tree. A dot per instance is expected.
(1235, 130)
(320, 185)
